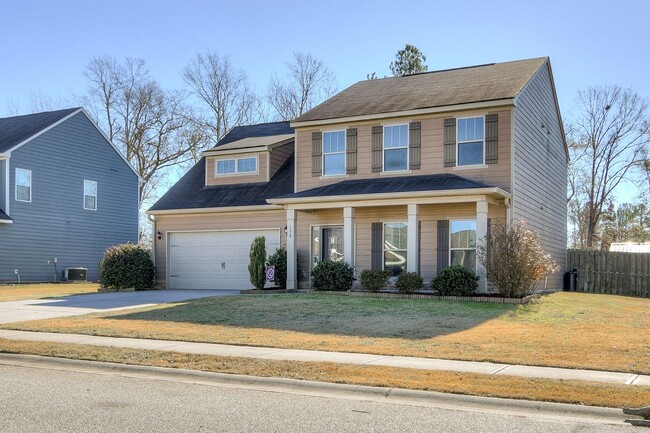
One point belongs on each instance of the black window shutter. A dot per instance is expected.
(492, 139)
(450, 143)
(415, 145)
(351, 151)
(377, 148)
(443, 245)
(316, 153)
(377, 250)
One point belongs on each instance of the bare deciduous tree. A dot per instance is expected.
(308, 83)
(148, 124)
(610, 133)
(226, 98)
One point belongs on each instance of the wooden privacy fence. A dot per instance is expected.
(611, 272)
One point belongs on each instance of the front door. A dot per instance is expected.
(332, 245)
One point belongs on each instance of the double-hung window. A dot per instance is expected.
(395, 246)
(90, 195)
(236, 166)
(462, 245)
(471, 141)
(23, 185)
(333, 153)
(396, 143)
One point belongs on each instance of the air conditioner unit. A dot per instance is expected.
(76, 274)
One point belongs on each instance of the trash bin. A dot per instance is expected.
(571, 281)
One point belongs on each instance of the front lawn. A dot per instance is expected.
(19, 292)
(574, 330)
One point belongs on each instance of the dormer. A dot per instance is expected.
(244, 158)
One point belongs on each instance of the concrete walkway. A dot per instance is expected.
(74, 305)
(337, 357)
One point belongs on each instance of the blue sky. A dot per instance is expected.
(45, 45)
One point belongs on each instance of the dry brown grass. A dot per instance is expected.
(600, 332)
(561, 391)
(19, 292)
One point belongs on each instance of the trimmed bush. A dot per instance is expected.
(455, 281)
(330, 275)
(257, 264)
(127, 266)
(409, 282)
(279, 260)
(374, 280)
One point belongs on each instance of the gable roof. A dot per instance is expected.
(482, 83)
(15, 130)
(252, 131)
(190, 192)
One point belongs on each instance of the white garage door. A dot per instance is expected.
(214, 260)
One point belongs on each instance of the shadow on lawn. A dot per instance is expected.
(338, 315)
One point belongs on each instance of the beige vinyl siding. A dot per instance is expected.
(431, 151)
(260, 176)
(540, 169)
(364, 217)
(272, 219)
(278, 156)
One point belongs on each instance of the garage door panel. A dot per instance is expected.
(214, 260)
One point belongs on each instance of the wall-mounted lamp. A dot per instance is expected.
(285, 230)
(159, 235)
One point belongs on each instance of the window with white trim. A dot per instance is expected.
(236, 166)
(333, 153)
(395, 247)
(90, 195)
(462, 243)
(470, 132)
(23, 185)
(396, 143)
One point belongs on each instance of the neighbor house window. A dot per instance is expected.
(333, 153)
(395, 245)
(462, 245)
(396, 145)
(23, 185)
(471, 134)
(90, 195)
(237, 165)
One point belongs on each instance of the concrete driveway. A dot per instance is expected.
(20, 311)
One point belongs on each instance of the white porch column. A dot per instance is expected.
(481, 233)
(412, 259)
(348, 235)
(292, 266)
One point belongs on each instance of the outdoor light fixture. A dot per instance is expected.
(159, 235)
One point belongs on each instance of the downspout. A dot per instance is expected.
(152, 218)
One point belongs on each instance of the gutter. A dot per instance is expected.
(262, 207)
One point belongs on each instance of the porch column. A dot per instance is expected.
(348, 235)
(292, 266)
(412, 259)
(481, 233)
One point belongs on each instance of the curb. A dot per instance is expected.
(460, 402)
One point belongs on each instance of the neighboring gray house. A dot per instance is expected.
(66, 193)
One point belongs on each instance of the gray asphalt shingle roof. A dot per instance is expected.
(14, 130)
(387, 185)
(251, 131)
(427, 90)
(4, 216)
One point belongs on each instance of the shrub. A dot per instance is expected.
(256, 266)
(374, 280)
(409, 282)
(513, 260)
(455, 281)
(331, 275)
(279, 260)
(127, 266)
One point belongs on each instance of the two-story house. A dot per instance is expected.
(401, 173)
(66, 194)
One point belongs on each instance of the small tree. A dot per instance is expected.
(513, 259)
(279, 260)
(256, 267)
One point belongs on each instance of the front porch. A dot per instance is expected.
(420, 231)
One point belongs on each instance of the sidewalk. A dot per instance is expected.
(336, 357)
